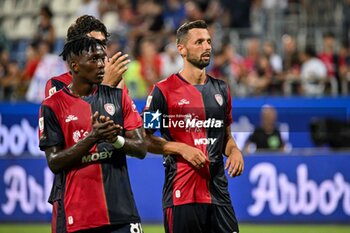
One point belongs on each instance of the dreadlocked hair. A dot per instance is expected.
(84, 25)
(76, 46)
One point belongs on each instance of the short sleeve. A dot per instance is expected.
(53, 86)
(156, 101)
(132, 119)
(50, 133)
(49, 88)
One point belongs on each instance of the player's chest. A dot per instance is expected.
(205, 103)
(76, 120)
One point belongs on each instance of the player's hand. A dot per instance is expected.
(119, 128)
(193, 155)
(115, 67)
(103, 130)
(235, 163)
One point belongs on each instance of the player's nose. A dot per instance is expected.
(100, 63)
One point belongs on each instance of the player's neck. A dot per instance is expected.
(194, 75)
(80, 90)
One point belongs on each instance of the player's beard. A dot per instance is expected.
(199, 63)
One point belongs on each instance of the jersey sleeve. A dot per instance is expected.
(156, 101)
(50, 133)
(132, 119)
(53, 86)
(49, 88)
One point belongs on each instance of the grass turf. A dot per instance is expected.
(244, 228)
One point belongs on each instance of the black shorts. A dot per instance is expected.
(125, 228)
(200, 218)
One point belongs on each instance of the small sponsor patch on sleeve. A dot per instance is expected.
(149, 100)
(41, 124)
(52, 91)
(133, 106)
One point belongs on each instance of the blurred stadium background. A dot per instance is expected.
(262, 48)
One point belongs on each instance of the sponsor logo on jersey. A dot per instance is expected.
(219, 99)
(96, 156)
(71, 118)
(183, 102)
(204, 141)
(110, 108)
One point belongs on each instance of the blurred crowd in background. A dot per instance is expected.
(260, 47)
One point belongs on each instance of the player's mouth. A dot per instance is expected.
(206, 55)
(101, 74)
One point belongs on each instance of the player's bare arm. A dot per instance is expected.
(135, 144)
(234, 163)
(115, 67)
(158, 145)
(60, 160)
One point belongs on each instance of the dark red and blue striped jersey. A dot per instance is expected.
(98, 192)
(196, 116)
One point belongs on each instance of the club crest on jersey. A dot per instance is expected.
(110, 109)
(219, 99)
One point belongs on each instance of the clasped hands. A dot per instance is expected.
(104, 128)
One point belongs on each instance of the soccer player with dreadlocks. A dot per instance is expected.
(86, 129)
(114, 69)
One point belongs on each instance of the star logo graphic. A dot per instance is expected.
(151, 120)
(156, 115)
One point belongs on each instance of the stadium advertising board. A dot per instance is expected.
(19, 122)
(272, 189)
(294, 189)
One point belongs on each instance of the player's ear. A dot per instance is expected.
(74, 66)
(181, 49)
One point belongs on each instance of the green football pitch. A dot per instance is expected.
(244, 228)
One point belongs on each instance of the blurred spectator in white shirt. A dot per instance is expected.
(313, 73)
(50, 65)
(171, 61)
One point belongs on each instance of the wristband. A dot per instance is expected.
(119, 143)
